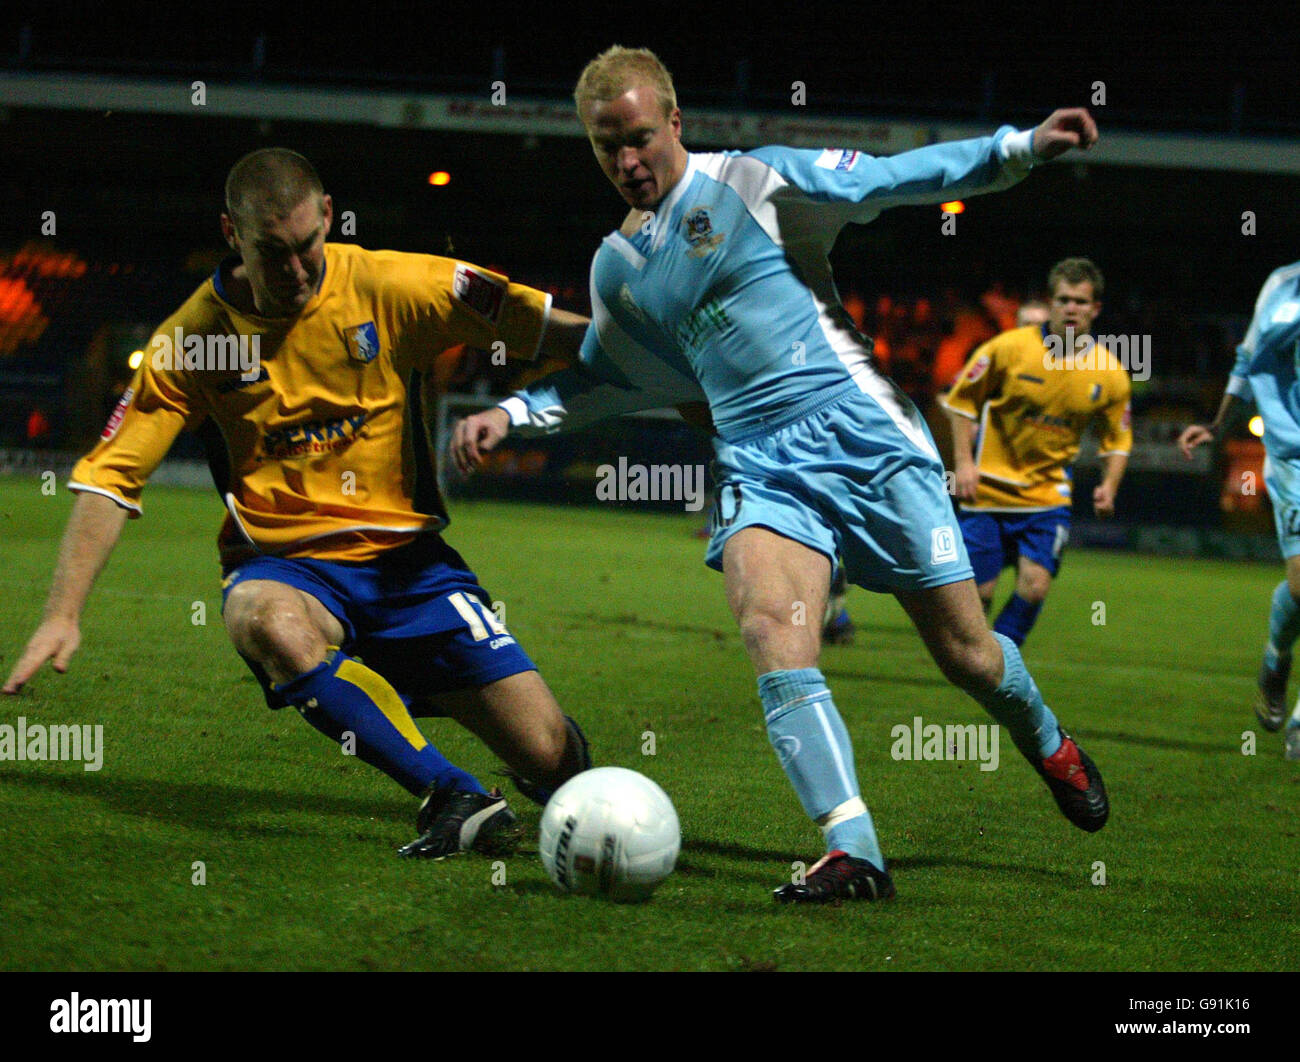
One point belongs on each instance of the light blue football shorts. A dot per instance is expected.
(1282, 481)
(855, 475)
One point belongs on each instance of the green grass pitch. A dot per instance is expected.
(632, 632)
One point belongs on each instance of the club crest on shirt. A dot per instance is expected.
(699, 232)
(363, 342)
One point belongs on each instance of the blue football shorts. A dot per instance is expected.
(416, 615)
(996, 540)
(846, 478)
(1282, 481)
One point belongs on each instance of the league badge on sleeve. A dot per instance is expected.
(979, 368)
(838, 159)
(363, 342)
(118, 414)
(480, 292)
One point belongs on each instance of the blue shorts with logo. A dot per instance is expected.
(415, 614)
(1282, 481)
(846, 478)
(996, 540)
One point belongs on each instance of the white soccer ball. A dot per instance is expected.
(610, 832)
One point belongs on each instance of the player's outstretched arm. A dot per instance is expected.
(93, 530)
(564, 334)
(1196, 434)
(1064, 129)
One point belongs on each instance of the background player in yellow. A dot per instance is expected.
(305, 356)
(1018, 411)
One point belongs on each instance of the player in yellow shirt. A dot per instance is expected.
(302, 359)
(1027, 396)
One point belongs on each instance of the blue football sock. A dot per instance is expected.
(1017, 705)
(342, 695)
(1283, 626)
(814, 749)
(1017, 618)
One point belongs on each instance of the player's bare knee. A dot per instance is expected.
(1293, 578)
(1033, 587)
(273, 629)
(774, 640)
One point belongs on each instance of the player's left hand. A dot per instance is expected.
(1069, 127)
(1103, 501)
(475, 436)
(1193, 436)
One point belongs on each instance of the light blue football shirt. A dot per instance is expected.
(725, 292)
(1268, 362)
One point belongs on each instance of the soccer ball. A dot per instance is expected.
(610, 832)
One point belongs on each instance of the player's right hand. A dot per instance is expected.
(477, 435)
(1192, 437)
(967, 481)
(1063, 129)
(54, 638)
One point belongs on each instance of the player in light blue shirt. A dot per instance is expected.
(717, 288)
(1266, 372)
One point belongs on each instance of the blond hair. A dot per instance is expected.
(618, 69)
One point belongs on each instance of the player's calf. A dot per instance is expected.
(577, 759)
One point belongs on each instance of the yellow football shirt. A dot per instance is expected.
(322, 451)
(1032, 410)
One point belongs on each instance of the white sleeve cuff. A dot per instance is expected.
(952, 409)
(1238, 386)
(1019, 147)
(517, 408)
(122, 503)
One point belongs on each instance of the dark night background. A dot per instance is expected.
(144, 191)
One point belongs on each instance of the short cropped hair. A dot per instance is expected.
(1076, 271)
(618, 69)
(270, 181)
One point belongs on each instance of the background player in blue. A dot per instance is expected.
(1267, 371)
(717, 287)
